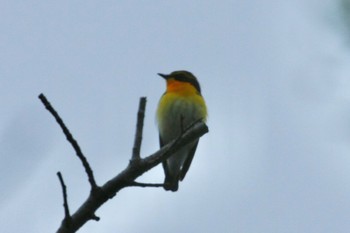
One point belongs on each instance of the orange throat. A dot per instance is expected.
(181, 88)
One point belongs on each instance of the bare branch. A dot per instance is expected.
(144, 185)
(139, 128)
(67, 218)
(72, 141)
(127, 177)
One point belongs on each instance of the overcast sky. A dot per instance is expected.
(275, 75)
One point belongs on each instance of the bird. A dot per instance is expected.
(180, 106)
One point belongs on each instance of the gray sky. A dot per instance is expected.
(275, 76)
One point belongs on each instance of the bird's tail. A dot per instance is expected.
(171, 183)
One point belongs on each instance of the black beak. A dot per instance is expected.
(165, 76)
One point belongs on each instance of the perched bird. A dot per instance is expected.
(180, 106)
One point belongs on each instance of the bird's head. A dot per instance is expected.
(182, 76)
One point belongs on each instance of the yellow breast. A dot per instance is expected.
(180, 106)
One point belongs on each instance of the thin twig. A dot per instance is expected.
(144, 185)
(72, 141)
(94, 217)
(67, 217)
(139, 127)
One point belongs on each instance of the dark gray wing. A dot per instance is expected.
(188, 161)
(165, 166)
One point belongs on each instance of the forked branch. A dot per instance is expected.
(127, 177)
(71, 140)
